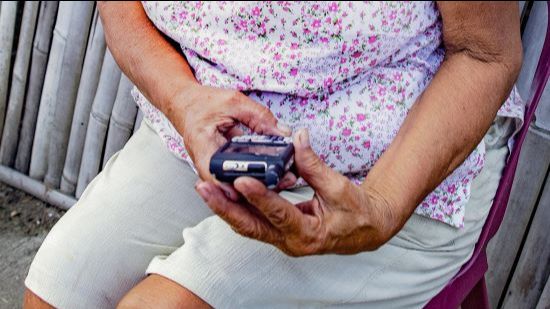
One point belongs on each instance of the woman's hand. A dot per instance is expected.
(207, 117)
(341, 218)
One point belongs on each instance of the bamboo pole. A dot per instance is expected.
(35, 187)
(71, 70)
(7, 28)
(39, 155)
(40, 52)
(10, 134)
(122, 119)
(98, 122)
(139, 120)
(86, 92)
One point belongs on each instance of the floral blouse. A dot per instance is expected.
(347, 71)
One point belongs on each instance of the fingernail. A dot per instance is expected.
(284, 128)
(226, 191)
(285, 183)
(303, 136)
(227, 194)
(242, 185)
(203, 191)
(285, 178)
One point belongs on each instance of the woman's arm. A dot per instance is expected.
(204, 116)
(482, 62)
(142, 53)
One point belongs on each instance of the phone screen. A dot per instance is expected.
(255, 149)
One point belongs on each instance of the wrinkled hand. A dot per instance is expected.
(206, 117)
(341, 218)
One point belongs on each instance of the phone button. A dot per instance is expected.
(237, 166)
(256, 167)
(241, 139)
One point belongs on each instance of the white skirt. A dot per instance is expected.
(141, 215)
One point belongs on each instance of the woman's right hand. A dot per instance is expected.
(207, 117)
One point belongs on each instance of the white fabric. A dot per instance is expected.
(129, 222)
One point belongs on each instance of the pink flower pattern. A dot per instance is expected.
(347, 71)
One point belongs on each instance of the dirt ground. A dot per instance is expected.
(24, 222)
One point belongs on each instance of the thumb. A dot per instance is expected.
(310, 167)
(258, 118)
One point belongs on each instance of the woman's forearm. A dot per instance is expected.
(451, 117)
(143, 54)
(163, 75)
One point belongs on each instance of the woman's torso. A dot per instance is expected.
(348, 71)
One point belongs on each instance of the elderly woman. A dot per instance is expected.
(400, 133)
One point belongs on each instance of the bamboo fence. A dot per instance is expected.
(62, 111)
(98, 122)
(7, 24)
(65, 109)
(18, 83)
(40, 53)
(86, 92)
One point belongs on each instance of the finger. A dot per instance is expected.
(227, 189)
(311, 168)
(278, 211)
(312, 208)
(288, 180)
(241, 220)
(306, 207)
(234, 131)
(202, 153)
(258, 118)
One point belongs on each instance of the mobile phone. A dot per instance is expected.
(264, 157)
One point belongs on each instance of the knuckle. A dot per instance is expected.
(313, 242)
(292, 252)
(261, 117)
(310, 238)
(304, 250)
(342, 185)
(313, 166)
(247, 231)
(313, 162)
(222, 209)
(253, 230)
(279, 216)
(265, 114)
(234, 96)
(302, 247)
(308, 250)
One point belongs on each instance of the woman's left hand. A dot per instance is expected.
(341, 218)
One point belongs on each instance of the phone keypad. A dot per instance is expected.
(262, 139)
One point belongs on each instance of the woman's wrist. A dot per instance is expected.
(381, 213)
(174, 106)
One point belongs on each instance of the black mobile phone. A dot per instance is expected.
(264, 157)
